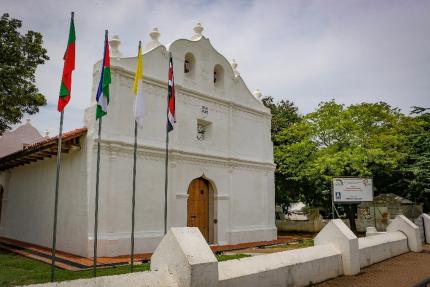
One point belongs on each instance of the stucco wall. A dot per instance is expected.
(290, 268)
(236, 157)
(29, 204)
(232, 214)
(236, 166)
(377, 248)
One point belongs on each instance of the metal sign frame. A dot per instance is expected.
(351, 202)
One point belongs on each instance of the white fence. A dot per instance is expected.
(183, 259)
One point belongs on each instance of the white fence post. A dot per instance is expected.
(184, 253)
(412, 232)
(341, 237)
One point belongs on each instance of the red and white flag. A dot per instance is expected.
(171, 119)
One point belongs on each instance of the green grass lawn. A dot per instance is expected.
(18, 270)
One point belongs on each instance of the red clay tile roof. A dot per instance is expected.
(42, 149)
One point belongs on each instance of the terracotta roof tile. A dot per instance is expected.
(41, 149)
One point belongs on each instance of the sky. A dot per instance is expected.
(304, 51)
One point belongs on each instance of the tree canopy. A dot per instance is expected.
(20, 54)
(367, 139)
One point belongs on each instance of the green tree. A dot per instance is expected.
(284, 114)
(412, 179)
(19, 57)
(367, 139)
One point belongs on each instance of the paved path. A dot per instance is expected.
(404, 270)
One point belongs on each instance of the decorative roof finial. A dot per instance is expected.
(233, 64)
(258, 94)
(46, 134)
(114, 44)
(198, 29)
(154, 34)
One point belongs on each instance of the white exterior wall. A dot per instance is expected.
(236, 157)
(29, 203)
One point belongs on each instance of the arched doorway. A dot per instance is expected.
(200, 207)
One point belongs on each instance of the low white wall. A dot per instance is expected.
(290, 268)
(184, 259)
(138, 279)
(379, 247)
(410, 229)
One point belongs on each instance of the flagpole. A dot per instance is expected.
(166, 174)
(166, 178)
(133, 201)
(96, 209)
(57, 184)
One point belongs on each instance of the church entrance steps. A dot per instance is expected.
(73, 262)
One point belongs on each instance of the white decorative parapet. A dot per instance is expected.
(300, 267)
(138, 279)
(339, 235)
(379, 247)
(403, 224)
(184, 253)
(371, 231)
(184, 259)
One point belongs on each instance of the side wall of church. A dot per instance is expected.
(28, 206)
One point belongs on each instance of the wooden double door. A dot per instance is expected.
(198, 206)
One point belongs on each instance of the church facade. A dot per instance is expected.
(221, 170)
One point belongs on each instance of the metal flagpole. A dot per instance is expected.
(57, 184)
(96, 209)
(166, 172)
(133, 201)
(166, 179)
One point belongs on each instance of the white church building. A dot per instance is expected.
(221, 170)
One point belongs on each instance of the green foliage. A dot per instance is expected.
(19, 57)
(412, 180)
(367, 139)
(284, 114)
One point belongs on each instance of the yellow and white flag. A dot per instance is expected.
(137, 90)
